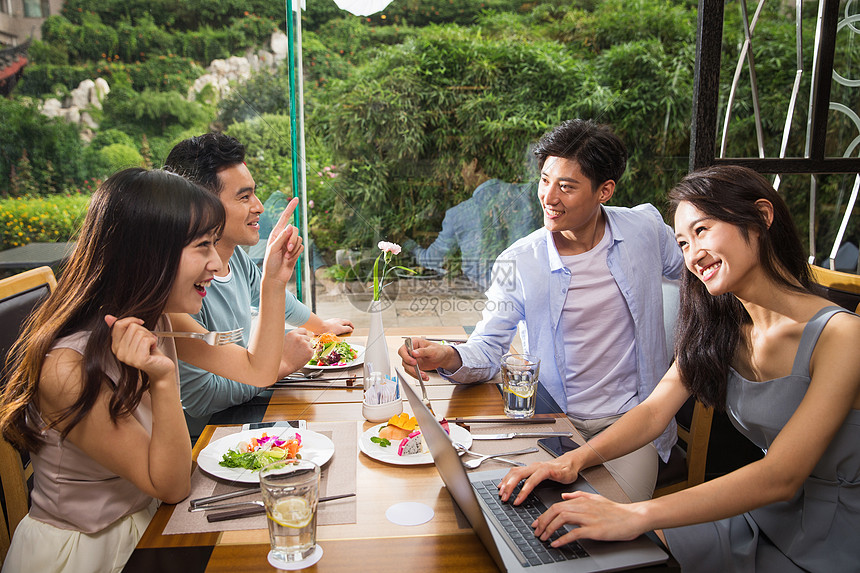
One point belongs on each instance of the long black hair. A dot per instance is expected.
(124, 264)
(709, 327)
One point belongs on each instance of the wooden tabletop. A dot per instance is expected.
(372, 543)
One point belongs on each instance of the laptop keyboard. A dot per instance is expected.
(515, 522)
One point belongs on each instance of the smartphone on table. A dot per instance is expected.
(557, 445)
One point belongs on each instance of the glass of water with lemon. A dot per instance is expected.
(519, 384)
(290, 493)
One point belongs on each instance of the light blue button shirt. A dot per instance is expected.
(529, 287)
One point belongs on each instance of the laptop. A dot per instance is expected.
(502, 529)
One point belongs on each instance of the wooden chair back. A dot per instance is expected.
(19, 296)
(686, 466)
(841, 288)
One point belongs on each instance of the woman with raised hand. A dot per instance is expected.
(93, 394)
(754, 338)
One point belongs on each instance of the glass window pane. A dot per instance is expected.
(32, 9)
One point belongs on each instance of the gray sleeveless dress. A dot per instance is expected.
(819, 529)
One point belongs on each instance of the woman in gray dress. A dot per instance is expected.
(754, 339)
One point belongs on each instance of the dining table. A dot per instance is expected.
(356, 533)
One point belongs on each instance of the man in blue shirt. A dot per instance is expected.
(482, 226)
(586, 291)
(217, 162)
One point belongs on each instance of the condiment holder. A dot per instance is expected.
(382, 398)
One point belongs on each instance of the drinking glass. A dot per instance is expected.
(291, 493)
(519, 384)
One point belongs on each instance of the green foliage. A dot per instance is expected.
(44, 79)
(268, 152)
(107, 137)
(119, 156)
(150, 111)
(40, 219)
(621, 21)
(45, 53)
(142, 39)
(428, 12)
(162, 73)
(52, 146)
(262, 93)
(322, 63)
(403, 125)
(408, 110)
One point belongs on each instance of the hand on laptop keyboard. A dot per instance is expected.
(527, 478)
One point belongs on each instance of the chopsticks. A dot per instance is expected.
(258, 509)
(302, 385)
(221, 497)
(315, 379)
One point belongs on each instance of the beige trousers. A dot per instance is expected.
(636, 472)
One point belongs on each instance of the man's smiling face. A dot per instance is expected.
(242, 206)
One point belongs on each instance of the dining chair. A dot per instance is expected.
(13, 480)
(19, 295)
(841, 288)
(687, 462)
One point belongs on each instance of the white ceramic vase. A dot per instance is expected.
(376, 353)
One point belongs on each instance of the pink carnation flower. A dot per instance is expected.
(387, 247)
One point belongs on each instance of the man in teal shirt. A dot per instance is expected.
(217, 162)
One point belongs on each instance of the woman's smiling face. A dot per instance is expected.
(199, 263)
(715, 251)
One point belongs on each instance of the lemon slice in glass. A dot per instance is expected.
(292, 512)
(522, 393)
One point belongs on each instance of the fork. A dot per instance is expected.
(212, 338)
(481, 458)
(424, 399)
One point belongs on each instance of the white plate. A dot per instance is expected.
(389, 455)
(359, 360)
(315, 447)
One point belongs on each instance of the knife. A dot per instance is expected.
(520, 435)
(502, 420)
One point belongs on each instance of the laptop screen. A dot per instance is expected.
(451, 469)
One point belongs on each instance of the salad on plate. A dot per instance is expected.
(331, 350)
(262, 451)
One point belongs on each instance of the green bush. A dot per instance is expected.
(262, 93)
(119, 156)
(45, 53)
(268, 152)
(90, 40)
(107, 137)
(151, 112)
(52, 147)
(43, 79)
(161, 73)
(41, 219)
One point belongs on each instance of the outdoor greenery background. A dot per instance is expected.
(406, 111)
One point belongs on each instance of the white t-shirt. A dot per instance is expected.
(601, 377)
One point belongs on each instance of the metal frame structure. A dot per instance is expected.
(703, 140)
